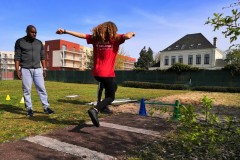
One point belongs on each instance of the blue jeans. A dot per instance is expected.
(36, 76)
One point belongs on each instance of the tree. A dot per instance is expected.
(145, 59)
(157, 57)
(89, 63)
(119, 64)
(230, 22)
(233, 57)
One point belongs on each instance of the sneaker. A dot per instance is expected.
(93, 115)
(48, 110)
(30, 113)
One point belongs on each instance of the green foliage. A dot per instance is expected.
(233, 57)
(146, 58)
(149, 85)
(89, 63)
(154, 85)
(232, 68)
(179, 67)
(198, 136)
(207, 134)
(230, 22)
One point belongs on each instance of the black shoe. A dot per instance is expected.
(107, 111)
(30, 113)
(48, 111)
(93, 115)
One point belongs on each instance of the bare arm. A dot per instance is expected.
(17, 64)
(76, 34)
(44, 68)
(129, 35)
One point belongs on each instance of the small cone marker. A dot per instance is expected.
(142, 110)
(8, 98)
(22, 101)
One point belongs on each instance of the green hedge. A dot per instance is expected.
(154, 85)
(148, 85)
(217, 89)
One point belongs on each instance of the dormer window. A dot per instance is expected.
(183, 46)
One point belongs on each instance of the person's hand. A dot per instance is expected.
(44, 74)
(19, 74)
(60, 31)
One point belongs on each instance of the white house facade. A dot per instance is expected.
(194, 50)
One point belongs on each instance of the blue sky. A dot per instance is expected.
(157, 23)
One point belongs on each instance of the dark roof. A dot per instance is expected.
(190, 41)
(156, 64)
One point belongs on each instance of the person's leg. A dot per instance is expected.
(99, 93)
(109, 92)
(40, 87)
(27, 78)
(110, 95)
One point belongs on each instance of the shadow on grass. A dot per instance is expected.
(44, 117)
(14, 109)
(72, 101)
(47, 118)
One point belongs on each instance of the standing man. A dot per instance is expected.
(29, 52)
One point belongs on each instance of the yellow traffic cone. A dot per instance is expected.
(8, 98)
(22, 100)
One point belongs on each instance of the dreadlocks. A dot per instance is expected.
(105, 32)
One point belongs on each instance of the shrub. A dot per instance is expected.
(233, 68)
(154, 85)
(179, 67)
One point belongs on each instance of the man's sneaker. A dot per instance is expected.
(48, 110)
(30, 113)
(93, 115)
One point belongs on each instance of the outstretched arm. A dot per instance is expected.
(76, 34)
(129, 35)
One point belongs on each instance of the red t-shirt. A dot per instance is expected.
(104, 55)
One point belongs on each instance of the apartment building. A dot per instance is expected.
(125, 62)
(62, 55)
(7, 65)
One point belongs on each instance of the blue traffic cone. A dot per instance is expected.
(142, 110)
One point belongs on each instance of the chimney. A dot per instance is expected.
(215, 41)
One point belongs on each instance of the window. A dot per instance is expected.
(166, 61)
(183, 46)
(173, 60)
(74, 49)
(47, 47)
(73, 56)
(206, 58)
(199, 45)
(190, 59)
(180, 59)
(198, 59)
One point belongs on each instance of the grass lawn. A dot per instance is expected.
(69, 111)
